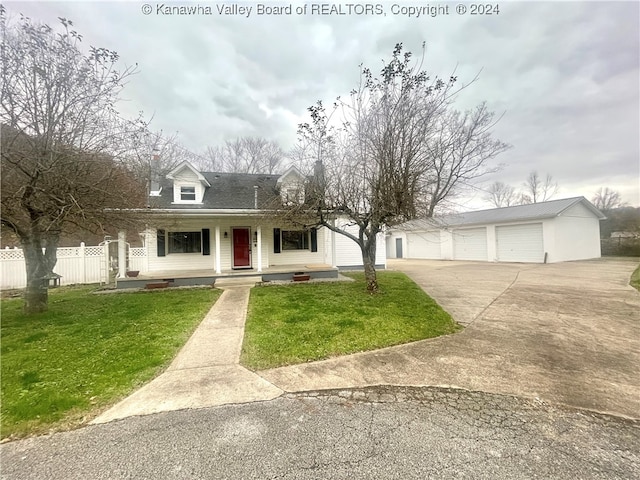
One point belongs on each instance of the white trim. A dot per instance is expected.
(288, 172)
(172, 174)
(333, 246)
(259, 247)
(122, 254)
(184, 212)
(217, 257)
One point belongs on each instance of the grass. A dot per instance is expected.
(63, 366)
(299, 323)
(635, 279)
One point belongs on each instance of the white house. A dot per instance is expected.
(203, 222)
(545, 232)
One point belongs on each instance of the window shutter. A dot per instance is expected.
(206, 244)
(314, 239)
(276, 240)
(161, 242)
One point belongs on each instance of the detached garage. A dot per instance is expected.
(554, 231)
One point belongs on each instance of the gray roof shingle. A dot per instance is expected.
(533, 211)
(227, 191)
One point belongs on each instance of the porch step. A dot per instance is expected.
(222, 282)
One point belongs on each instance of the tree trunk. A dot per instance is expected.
(51, 252)
(39, 266)
(369, 262)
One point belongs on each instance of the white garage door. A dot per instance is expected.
(470, 244)
(423, 245)
(520, 243)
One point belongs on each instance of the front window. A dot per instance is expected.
(185, 242)
(188, 193)
(295, 240)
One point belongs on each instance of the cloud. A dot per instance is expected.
(565, 75)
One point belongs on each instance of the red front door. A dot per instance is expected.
(241, 248)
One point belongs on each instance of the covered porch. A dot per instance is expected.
(179, 278)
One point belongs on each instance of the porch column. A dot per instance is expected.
(218, 269)
(259, 247)
(122, 254)
(147, 242)
(333, 245)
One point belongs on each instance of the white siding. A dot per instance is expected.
(391, 245)
(298, 257)
(178, 261)
(572, 235)
(187, 178)
(520, 243)
(577, 235)
(470, 244)
(197, 261)
(381, 258)
(292, 186)
(423, 245)
(193, 261)
(348, 253)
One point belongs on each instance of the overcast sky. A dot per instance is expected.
(565, 74)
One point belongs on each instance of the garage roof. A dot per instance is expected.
(533, 211)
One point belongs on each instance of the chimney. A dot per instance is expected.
(154, 176)
(318, 173)
(255, 197)
(318, 181)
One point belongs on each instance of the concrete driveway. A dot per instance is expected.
(566, 333)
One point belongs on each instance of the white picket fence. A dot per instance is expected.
(77, 265)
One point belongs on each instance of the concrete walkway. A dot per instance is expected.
(567, 333)
(206, 372)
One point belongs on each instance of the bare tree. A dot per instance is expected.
(60, 142)
(536, 189)
(152, 155)
(395, 146)
(459, 150)
(245, 155)
(502, 195)
(607, 199)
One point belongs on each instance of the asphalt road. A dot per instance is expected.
(373, 433)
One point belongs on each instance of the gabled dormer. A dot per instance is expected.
(188, 184)
(291, 185)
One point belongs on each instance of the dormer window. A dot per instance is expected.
(292, 194)
(292, 186)
(187, 194)
(189, 185)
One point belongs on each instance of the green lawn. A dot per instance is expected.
(635, 278)
(65, 365)
(298, 323)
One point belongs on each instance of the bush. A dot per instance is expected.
(620, 247)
